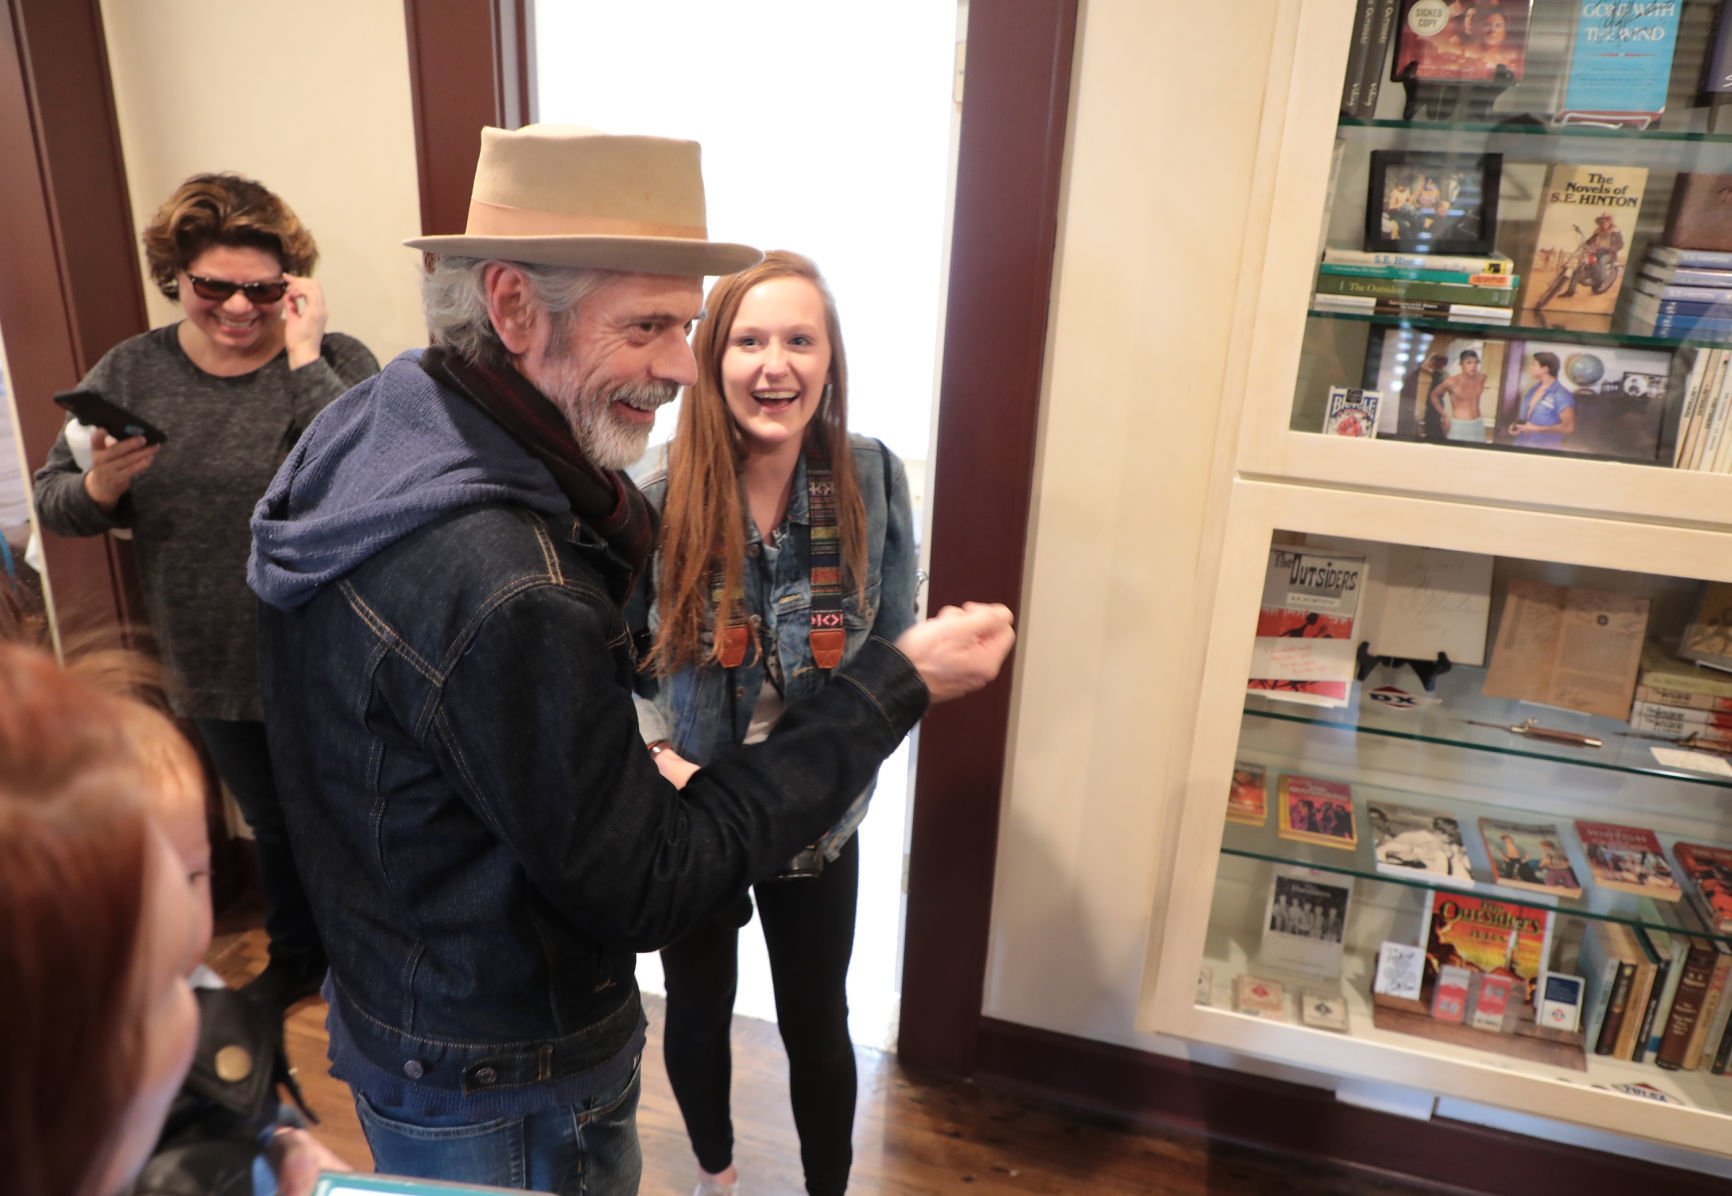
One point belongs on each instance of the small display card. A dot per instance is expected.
(1400, 971)
(1259, 997)
(1449, 1002)
(1325, 1011)
(1491, 1003)
(1560, 1001)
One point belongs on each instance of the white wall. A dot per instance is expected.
(312, 99)
(1159, 165)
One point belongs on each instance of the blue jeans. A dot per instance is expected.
(575, 1150)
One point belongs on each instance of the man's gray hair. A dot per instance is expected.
(454, 297)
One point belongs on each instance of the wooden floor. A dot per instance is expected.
(911, 1136)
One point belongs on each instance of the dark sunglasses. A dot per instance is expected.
(218, 290)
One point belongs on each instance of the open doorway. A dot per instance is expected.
(828, 130)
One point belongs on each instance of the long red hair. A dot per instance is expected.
(703, 521)
(73, 867)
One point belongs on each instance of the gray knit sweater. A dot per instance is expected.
(188, 512)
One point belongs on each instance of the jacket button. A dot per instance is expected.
(414, 1069)
(754, 548)
(485, 1076)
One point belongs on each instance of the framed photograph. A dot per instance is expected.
(1589, 400)
(1470, 42)
(1432, 203)
(1305, 921)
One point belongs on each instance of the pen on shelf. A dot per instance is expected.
(1533, 730)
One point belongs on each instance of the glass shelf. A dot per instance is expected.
(1515, 125)
(1459, 700)
(1606, 905)
(1582, 332)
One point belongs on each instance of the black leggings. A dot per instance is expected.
(243, 760)
(809, 930)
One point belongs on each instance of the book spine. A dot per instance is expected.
(1394, 288)
(1641, 987)
(1470, 312)
(1717, 65)
(1686, 1005)
(1403, 274)
(1690, 276)
(1660, 695)
(1692, 396)
(1656, 297)
(1699, 259)
(1419, 261)
(1650, 1007)
(1615, 1009)
(1710, 1008)
(1655, 717)
(1675, 948)
(1686, 325)
(1382, 34)
(1353, 80)
(1723, 1052)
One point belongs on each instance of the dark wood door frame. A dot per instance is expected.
(1015, 104)
(70, 284)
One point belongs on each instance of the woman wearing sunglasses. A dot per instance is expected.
(785, 544)
(232, 385)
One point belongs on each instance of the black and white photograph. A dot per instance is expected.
(1412, 841)
(1306, 920)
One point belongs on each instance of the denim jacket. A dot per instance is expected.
(483, 838)
(704, 710)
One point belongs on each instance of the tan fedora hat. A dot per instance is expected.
(559, 195)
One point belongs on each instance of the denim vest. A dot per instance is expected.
(704, 710)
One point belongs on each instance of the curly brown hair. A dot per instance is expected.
(223, 209)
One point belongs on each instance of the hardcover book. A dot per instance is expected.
(1352, 412)
(1317, 811)
(1248, 800)
(1628, 859)
(1487, 937)
(1587, 215)
(1461, 43)
(1304, 651)
(1530, 855)
(1706, 874)
(1410, 841)
(1701, 213)
(1620, 63)
(1687, 1005)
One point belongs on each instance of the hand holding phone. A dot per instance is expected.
(92, 410)
(113, 466)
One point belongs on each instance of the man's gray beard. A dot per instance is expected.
(607, 442)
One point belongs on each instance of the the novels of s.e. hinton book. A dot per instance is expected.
(1628, 859)
(1620, 63)
(1304, 651)
(1248, 799)
(1486, 936)
(1412, 841)
(1530, 855)
(1313, 810)
(1706, 875)
(1587, 220)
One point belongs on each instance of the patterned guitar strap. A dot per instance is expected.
(827, 636)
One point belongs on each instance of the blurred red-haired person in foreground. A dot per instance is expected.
(98, 930)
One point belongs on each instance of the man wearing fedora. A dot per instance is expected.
(448, 679)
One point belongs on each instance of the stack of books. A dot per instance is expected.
(1682, 701)
(1702, 443)
(1683, 293)
(1466, 290)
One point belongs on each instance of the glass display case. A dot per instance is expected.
(1471, 847)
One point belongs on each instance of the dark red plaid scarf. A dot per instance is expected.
(605, 500)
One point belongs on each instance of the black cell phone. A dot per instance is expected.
(88, 407)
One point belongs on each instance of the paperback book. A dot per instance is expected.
(1706, 874)
(1487, 937)
(1410, 841)
(1620, 63)
(1466, 264)
(1460, 43)
(1530, 855)
(1304, 650)
(1628, 859)
(1248, 800)
(1587, 213)
(1313, 810)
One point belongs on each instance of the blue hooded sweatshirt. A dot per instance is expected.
(387, 458)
